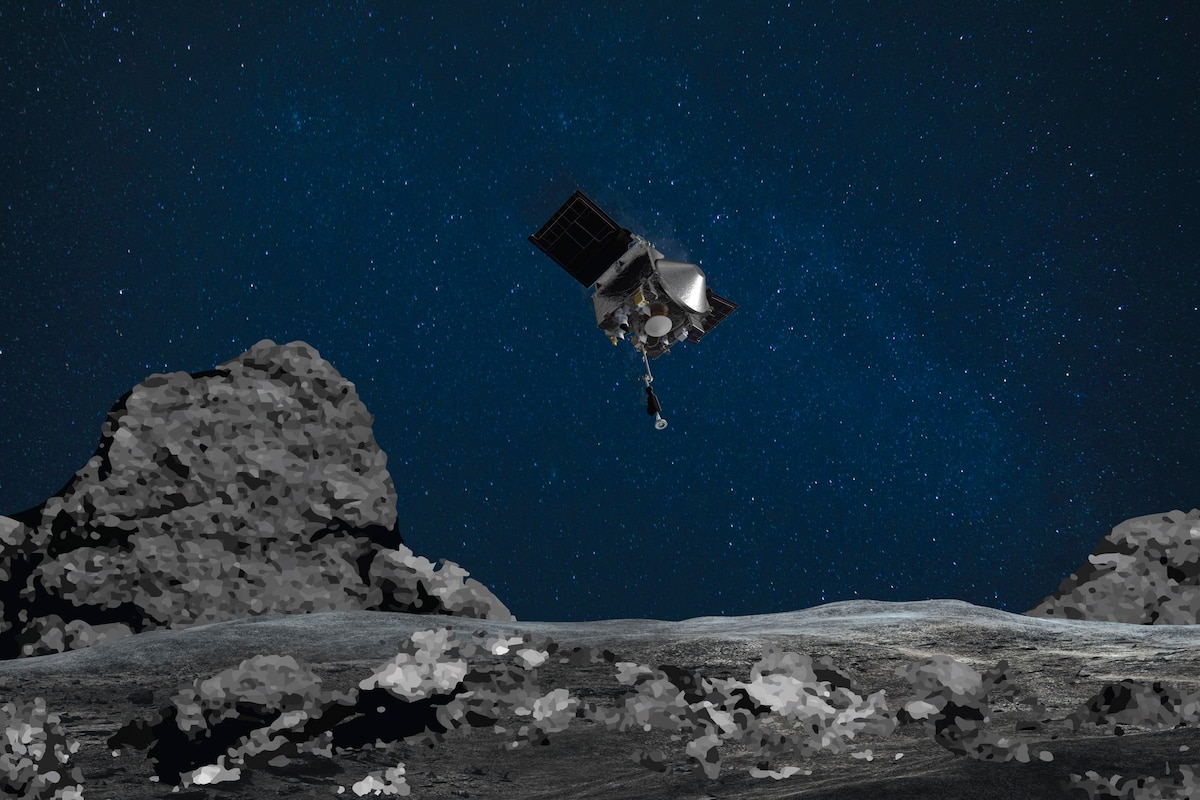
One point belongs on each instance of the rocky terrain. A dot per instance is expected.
(220, 603)
(1061, 694)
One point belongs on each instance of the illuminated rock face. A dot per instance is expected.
(256, 487)
(1147, 571)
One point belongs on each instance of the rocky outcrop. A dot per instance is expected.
(1147, 571)
(256, 487)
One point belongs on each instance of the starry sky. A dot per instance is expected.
(963, 238)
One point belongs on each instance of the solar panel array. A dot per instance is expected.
(582, 239)
(720, 309)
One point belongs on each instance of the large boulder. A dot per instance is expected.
(1147, 571)
(256, 487)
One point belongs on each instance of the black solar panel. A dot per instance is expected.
(720, 309)
(582, 239)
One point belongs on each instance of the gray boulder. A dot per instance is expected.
(1147, 572)
(253, 488)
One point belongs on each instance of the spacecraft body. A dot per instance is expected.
(650, 301)
(640, 295)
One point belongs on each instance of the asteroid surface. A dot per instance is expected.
(1146, 572)
(859, 699)
(255, 487)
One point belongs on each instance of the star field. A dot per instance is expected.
(962, 239)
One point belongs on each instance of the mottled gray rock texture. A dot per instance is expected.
(251, 488)
(1147, 572)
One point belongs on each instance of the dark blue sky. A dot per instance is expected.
(963, 238)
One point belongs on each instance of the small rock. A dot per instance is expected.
(141, 697)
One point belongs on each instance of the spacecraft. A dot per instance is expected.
(640, 296)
